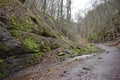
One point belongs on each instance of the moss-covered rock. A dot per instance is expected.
(17, 23)
(31, 45)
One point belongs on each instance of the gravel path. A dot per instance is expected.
(103, 66)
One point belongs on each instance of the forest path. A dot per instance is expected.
(104, 66)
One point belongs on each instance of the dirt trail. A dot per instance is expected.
(105, 66)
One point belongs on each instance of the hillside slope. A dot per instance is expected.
(26, 35)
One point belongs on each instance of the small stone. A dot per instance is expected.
(65, 71)
(78, 74)
(99, 58)
(21, 67)
(61, 54)
(61, 75)
(86, 68)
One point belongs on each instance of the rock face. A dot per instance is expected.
(25, 36)
(23, 32)
(9, 45)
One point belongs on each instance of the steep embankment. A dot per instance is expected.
(26, 35)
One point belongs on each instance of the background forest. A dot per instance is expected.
(98, 25)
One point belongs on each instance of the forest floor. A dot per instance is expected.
(101, 66)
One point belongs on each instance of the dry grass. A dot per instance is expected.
(80, 40)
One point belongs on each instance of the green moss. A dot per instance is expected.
(35, 59)
(45, 47)
(91, 48)
(31, 45)
(24, 24)
(93, 36)
(42, 42)
(49, 69)
(75, 50)
(80, 51)
(4, 47)
(38, 56)
(2, 75)
(15, 33)
(1, 60)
